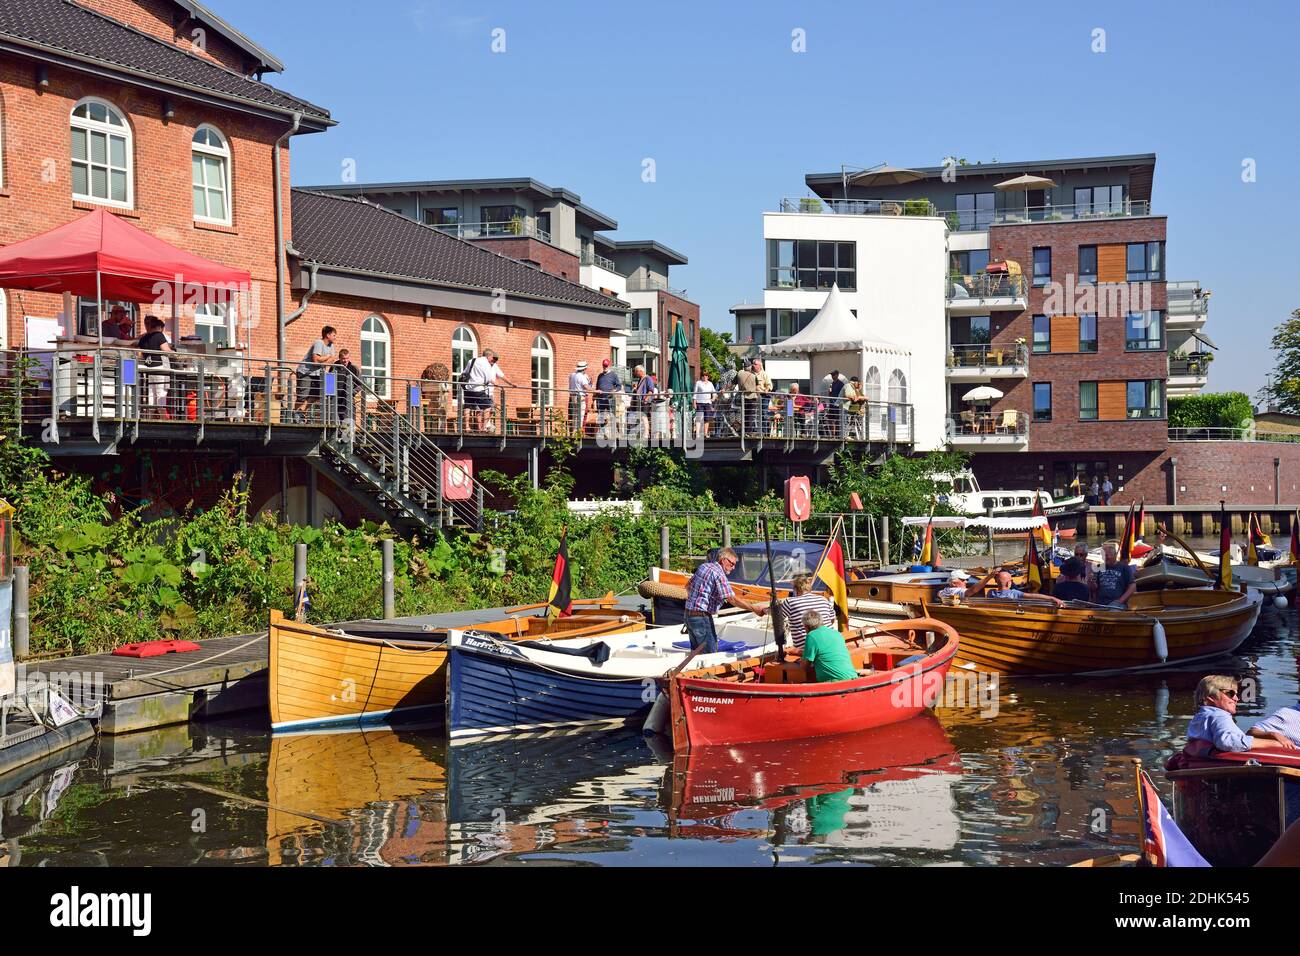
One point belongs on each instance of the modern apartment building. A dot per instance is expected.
(1041, 283)
(552, 229)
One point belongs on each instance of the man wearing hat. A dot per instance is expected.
(855, 404)
(607, 386)
(579, 389)
(956, 589)
(835, 418)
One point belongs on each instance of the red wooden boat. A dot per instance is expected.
(901, 665)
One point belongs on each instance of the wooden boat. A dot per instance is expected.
(667, 589)
(901, 665)
(499, 687)
(909, 766)
(1234, 806)
(1034, 637)
(367, 671)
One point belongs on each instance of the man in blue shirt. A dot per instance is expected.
(708, 590)
(1284, 722)
(1116, 581)
(1007, 591)
(1213, 727)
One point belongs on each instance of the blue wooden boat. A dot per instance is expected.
(495, 687)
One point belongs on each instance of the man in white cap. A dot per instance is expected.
(956, 589)
(579, 389)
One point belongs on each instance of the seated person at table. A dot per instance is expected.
(1007, 591)
(1072, 584)
(956, 589)
(1213, 728)
(797, 605)
(826, 651)
(1284, 721)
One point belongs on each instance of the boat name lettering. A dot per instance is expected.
(474, 643)
(715, 700)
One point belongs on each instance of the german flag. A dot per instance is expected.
(1295, 537)
(560, 601)
(1225, 550)
(1252, 540)
(1045, 532)
(830, 571)
(1126, 542)
(930, 547)
(1033, 564)
(1138, 523)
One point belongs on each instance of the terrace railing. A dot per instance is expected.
(811, 205)
(985, 286)
(986, 355)
(977, 220)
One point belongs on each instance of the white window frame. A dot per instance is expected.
(214, 315)
(898, 393)
(221, 153)
(544, 350)
(379, 378)
(463, 346)
(871, 385)
(89, 126)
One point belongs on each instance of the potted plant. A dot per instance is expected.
(516, 225)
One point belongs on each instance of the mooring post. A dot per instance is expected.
(22, 613)
(299, 567)
(989, 512)
(663, 546)
(386, 549)
(726, 533)
(884, 540)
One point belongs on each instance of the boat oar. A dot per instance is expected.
(1183, 544)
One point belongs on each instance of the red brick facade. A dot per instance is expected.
(37, 193)
(168, 21)
(550, 259)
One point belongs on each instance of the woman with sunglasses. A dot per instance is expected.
(1213, 727)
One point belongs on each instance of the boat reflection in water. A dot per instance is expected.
(886, 788)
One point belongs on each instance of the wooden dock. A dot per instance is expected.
(1188, 520)
(226, 676)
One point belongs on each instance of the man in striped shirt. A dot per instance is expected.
(800, 603)
(708, 590)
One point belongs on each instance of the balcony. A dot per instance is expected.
(978, 220)
(653, 284)
(979, 294)
(591, 258)
(1187, 374)
(811, 205)
(642, 339)
(978, 363)
(986, 431)
(513, 229)
(1188, 305)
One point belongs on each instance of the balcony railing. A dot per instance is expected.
(985, 286)
(977, 220)
(652, 284)
(590, 258)
(513, 229)
(1010, 424)
(642, 338)
(114, 391)
(859, 207)
(1191, 365)
(1230, 434)
(988, 356)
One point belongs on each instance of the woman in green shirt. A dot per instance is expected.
(825, 650)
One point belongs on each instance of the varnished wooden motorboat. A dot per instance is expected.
(1034, 637)
(371, 671)
(901, 668)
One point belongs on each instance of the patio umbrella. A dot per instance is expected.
(982, 393)
(679, 370)
(1025, 183)
(885, 175)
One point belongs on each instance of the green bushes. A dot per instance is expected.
(1211, 410)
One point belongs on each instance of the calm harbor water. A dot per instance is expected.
(1046, 781)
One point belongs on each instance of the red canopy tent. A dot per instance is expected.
(104, 256)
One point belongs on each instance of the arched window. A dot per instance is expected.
(210, 161)
(543, 382)
(898, 393)
(464, 347)
(871, 387)
(101, 154)
(375, 368)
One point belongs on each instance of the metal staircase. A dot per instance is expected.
(388, 465)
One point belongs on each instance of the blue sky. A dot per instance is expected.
(733, 118)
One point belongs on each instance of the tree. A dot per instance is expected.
(714, 352)
(1283, 389)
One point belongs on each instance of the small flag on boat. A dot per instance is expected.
(1126, 542)
(1252, 541)
(1139, 522)
(1033, 564)
(1295, 537)
(1265, 539)
(916, 548)
(1225, 549)
(830, 571)
(1163, 844)
(301, 602)
(929, 547)
(1045, 532)
(560, 601)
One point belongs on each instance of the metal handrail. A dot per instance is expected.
(510, 229)
(651, 284)
(592, 258)
(811, 205)
(1230, 434)
(977, 220)
(985, 286)
(986, 355)
(984, 425)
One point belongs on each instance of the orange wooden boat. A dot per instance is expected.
(1157, 629)
(370, 671)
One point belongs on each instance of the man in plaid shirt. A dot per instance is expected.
(709, 590)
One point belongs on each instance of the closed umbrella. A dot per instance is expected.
(679, 369)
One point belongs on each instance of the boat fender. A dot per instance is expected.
(1279, 602)
(656, 721)
(1160, 643)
